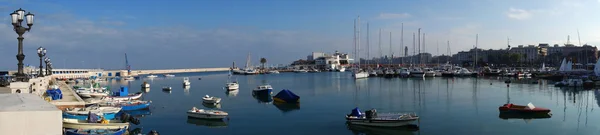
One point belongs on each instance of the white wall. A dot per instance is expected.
(31, 123)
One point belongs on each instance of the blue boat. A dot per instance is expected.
(108, 116)
(263, 90)
(286, 96)
(129, 105)
(96, 131)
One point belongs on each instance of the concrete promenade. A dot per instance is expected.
(70, 98)
(169, 71)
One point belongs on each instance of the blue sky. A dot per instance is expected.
(214, 33)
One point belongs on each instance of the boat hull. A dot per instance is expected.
(205, 116)
(114, 132)
(263, 92)
(129, 97)
(379, 123)
(108, 116)
(135, 107)
(82, 124)
(360, 75)
(417, 74)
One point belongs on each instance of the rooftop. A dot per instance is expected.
(24, 102)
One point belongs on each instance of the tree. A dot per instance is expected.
(263, 61)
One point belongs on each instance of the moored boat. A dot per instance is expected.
(263, 90)
(186, 81)
(206, 114)
(108, 116)
(286, 96)
(371, 118)
(232, 86)
(120, 131)
(94, 124)
(151, 76)
(166, 88)
(530, 108)
(92, 109)
(211, 100)
(169, 75)
(145, 85)
(429, 72)
(128, 105)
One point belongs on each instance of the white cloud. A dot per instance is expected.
(519, 14)
(393, 15)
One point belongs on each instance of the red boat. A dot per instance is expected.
(529, 108)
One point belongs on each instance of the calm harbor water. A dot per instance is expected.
(445, 105)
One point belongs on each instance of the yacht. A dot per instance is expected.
(373, 73)
(340, 69)
(404, 72)
(360, 74)
(379, 72)
(169, 75)
(250, 71)
(232, 85)
(417, 72)
(389, 73)
(186, 81)
(429, 72)
(464, 72)
(273, 72)
(152, 76)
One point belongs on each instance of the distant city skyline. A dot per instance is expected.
(188, 34)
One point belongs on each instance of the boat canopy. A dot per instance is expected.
(287, 96)
(356, 112)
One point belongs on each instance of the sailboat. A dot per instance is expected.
(248, 70)
(358, 74)
(231, 85)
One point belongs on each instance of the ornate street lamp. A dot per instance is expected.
(47, 60)
(17, 18)
(41, 52)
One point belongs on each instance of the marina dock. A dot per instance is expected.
(70, 99)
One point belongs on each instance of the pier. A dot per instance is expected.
(69, 99)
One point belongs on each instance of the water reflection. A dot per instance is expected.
(263, 99)
(186, 90)
(207, 122)
(287, 107)
(167, 91)
(139, 113)
(231, 93)
(365, 130)
(146, 90)
(507, 115)
(212, 106)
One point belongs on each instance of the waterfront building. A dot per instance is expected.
(324, 61)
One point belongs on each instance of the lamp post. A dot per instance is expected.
(41, 52)
(17, 18)
(47, 60)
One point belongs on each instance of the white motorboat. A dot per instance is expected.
(464, 72)
(85, 124)
(341, 69)
(152, 76)
(417, 72)
(145, 85)
(438, 72)
(429, 72)
(372, 73)
(133, 96)
(250, 71)
(92, 109)
(211, 100)
(360, 74)
(166, 88)
(206, 114)
(263, 90)
(186, 81)
(129, 78)
(232, 86)
(238, 71)
(389, 73)
(273, 72)
(169, 75)
(372, 118)
(404, 72)
(379, 72)
(300, 71)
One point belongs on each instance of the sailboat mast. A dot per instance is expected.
(358, 43)
(448, 49)
(354, 41)
(401, 43)
(412, 60)
(419, 43)
(476, 40)
(391, 53)
(437, 46)
(127, 66)
(380, 51)
(248, 61)
(368, 45)
(420, 56)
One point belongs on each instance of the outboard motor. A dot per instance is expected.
(371, 114)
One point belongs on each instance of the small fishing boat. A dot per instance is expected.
(145, 85)
(263, 90)
(93, 123)
(166, 88)
(108, 116)
(169, 75)
(358, 74)
(286, 96)
(93, 109)
(232, 86)
(530, 108)
(417, 72)
(404, 72)
(186, 81)
(211, 100)
(152, 76)
(95, 131)
(371, 118)
(129, 78)
(133, 96)
(206, 114)
(128, 105)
